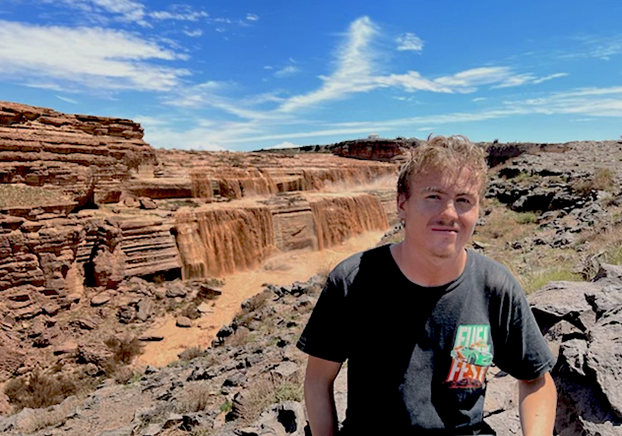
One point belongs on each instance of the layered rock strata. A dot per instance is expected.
(84, 156)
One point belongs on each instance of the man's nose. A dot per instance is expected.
(449, 210)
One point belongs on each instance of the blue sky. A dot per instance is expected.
(243, 75)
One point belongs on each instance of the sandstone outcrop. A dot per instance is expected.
(86, 202)
(86, 157)
(380, 149)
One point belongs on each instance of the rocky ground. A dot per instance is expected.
(249, 381)
(86, 207)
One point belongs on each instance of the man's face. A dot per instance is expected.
(440, 213)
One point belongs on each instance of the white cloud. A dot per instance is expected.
(356, 72)
(89, 57)
(468, 80)
(409, 42)
(179, 16)
(252, 17)
(193, 33)
(126, 10)
(287, 71)
(598, 102)
(549, 77)
(596, 47)
(354, 67)
(479, 99)
(526, 79)
(66, 99)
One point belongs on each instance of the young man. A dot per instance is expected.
(421, 321)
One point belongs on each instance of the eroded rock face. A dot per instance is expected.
(86, 157)
(385, 150)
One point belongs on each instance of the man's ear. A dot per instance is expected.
(401, 206)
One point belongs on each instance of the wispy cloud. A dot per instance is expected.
(193, 33)
(354, 67)
(601, 47)
(357, 67)
(252, 17)
(67, 99)
(131, 11)
(287, 71)
(549, 77)
(409, 42)
(123, 10)
(179, 16)
(92, 58)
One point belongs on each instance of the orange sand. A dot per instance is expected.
(282, 269)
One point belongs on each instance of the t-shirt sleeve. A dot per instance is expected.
(324, 335)
(520, 348)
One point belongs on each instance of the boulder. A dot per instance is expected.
(183, 322)
(101, 299)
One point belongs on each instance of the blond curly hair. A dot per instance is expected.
(445, 155)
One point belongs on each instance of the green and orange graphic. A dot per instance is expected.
(471, 357)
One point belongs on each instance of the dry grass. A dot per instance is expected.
(505, 225)
(241, 337)
(190, 353)
(39, 390)
(13, 195)
(535, 280)
(195, 398)
(602, 180)
(266, 392)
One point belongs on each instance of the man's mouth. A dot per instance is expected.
(444, 230)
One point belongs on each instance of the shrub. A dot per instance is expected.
(263, 394)
(194, 398)
(526, 218)
(124, 349)
(604, 179)
(39, 390)
(226, 406)
(190, 353)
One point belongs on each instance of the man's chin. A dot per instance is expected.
(445, 253)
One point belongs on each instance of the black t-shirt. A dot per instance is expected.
(418, 356)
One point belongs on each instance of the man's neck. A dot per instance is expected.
(426, 270)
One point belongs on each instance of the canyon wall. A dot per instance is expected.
(85, 157)
(85, 202)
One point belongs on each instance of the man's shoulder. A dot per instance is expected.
(348, 268)
(492, 274)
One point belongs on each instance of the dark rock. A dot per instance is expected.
(237, 379)
(224, 331)
(150, 338)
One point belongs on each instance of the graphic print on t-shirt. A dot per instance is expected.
(471, 357)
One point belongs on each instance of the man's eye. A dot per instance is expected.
(433, 196)
(464, 200)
